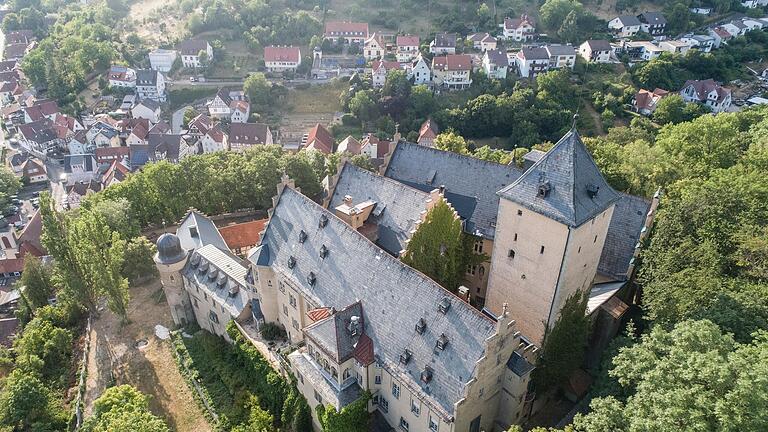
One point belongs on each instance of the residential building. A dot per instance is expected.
(521, 29)
(675, 46)
(736, 28)
(701, 10)
(121, 76)
(720, 36)
(77, 191)
(116, 172)
(39, 137)
(200, 125)
(80, 168)
(162, 60)
(349, 145)
(653, 23)
(148, 109)
(107, 155)
(641, 50)
(753, 23)
(41, 109)
(282, 58)
(375, 148)
(561, 56)
(703, 43)
(374, 47)
(380, 69)
(532, 61)
(707, 92)
(419, 71)
(350, 32)
(407, 48)
(625, 26)
(596, 51)
(33, 171)
(150, 84)
(102, 134)
(214, 140)
(444, 43)
(245, 135)
(495, 64)
(241, 111)
(482, 41)
(230, 104)
(190, 52)
(452, 71)
(319, 139)
(166, 147)
(427, 133)
(242, 237)
(645, 101)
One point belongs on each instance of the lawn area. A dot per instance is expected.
(316, 99)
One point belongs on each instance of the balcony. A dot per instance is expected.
(317, 378)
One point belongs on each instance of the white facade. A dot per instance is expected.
(146, 112)
(420, 71)
(162, 59)
(193, 60)
(622, 30)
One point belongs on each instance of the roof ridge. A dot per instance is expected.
(381, 177)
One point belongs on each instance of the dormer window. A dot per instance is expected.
(405, 357)
(193, 231)
(421, 326)
(302, 236)
(291, 262)
(442, 342)
(323, 221)
(426, 375)
(544, 189)
(592, 190)
(323, 251)
(311, 279)
(444, 305)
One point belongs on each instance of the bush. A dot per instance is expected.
(350, 120)
(272, 331)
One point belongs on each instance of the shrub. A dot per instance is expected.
(272, 331)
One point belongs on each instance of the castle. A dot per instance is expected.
(433, 361)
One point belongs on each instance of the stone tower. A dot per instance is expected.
(170, 260)
(552, 224)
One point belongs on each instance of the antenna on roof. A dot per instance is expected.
(575, 119)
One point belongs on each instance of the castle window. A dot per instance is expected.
(515, 237)
(285, 310)
(481, 270)
(318, 398)
(479, 246)
(384, 404)
(323, 251)
(421, 326)
(595, 240)
(426, 375)
(405, 357)
(579, 251)
(295, 324)
(444, 305)
(511, 253)
(302, 236)
(403, 424)
(541, 251)
(415, 407)
(471, 270)
(442, 342)
(323, 221)
(291, 262)
(213, 317)
(396, 391)
(519, 212)
(311, 279)
(433, 424)
(377, 379)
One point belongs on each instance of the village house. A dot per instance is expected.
(374, 47)
(282, 59)
(407, 48)
(701, 10)
(707, 92)
(753, 23)
(674, 46)
(641, 50)
(80, 168)
(116, 172)
(561, 56)
(320, 139)
(230, 104)
(138, 133)
(380, 69)
(241, 111)
(162, 59)
(77, 191)
(245, 135)
(102, 134)
(190, 52)
(39, 137)
(495, 64)
(121, 76)
(735, 28)
(427, 133)
(703, 43)
(107, 155)
(214, 140)
(452, 71)
(596, 51)
(625, 26)
(482, 41)
(33, 171)
(349, 145)
(645, 101)
(444, 43)
(375, 148)
(653, 23)
(150, 84)
(166, 147)
(200, 125)
(720, 36)
(521, 29)
(41, 109)
(350, 32)
(531, 61)
(148, 109)
(419, 71)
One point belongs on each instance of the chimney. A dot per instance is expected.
(348, 200)
(354, 325)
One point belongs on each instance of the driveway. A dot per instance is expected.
(177, 119)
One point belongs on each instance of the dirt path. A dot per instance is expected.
(114, 360)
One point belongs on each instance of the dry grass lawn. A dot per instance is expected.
(114, 360)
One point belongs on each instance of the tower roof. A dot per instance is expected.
(564, 185)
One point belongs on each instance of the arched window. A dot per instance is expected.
(482, 270)
(345, 375)
(334, 373)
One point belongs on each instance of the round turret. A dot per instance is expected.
(169, 249)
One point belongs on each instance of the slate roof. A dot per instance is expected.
(560, 50)
(569, 172)
(164, 146)
(223, 272)
(470, 184)
(152, 104)
(85, 160)
(629, 20)
(139, 155)
(332, 333)
(40, 131)
(379, 282)
(193, 46)
(704, 87)
(445, 40)
(204, 232)
(146, 77)
(652, 18)
(398, 206)
(497, 57)
(623, 233)
(599, 45)
(537, 53)
(248, 133)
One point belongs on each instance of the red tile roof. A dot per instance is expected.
(345, 28)
(11, 265)
(320, 139)
(243, 234)
(363, 352)
(282, 54)
(108, 154)
(318, 314)
(407, 40)
(428, 130)
(453, 62)
(387, 65)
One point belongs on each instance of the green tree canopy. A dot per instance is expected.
(123, 409)
(258, 89)
(27, 404)
(673, 109)
(451, 141)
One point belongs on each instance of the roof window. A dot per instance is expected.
(311, 278)
(442, 342)
(323, 221)
(302, 236)
(291, 262)
(323, 251)
(426, 375)
(421, 326)
(544, 189)
(405, 357)
(592, 190)
(444, 305)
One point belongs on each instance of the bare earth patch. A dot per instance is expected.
(116, 358)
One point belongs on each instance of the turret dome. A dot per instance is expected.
(169, 249)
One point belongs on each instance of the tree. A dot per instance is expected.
(258, 89)
(693, 377)
(27, 404)
(492, 155)
(36, 284)
(9, 185)
(564, 344)
(44, 347)
(569, 29)
(189, 115)
(451, 141)
(123, 409)
(138, 260)
(352, 418)
(673, 109)
(554, 12)
(397, 85)
(363, 106)
(437, 247)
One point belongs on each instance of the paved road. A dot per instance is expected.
(177, 119)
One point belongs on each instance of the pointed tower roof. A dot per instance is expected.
(564, 185)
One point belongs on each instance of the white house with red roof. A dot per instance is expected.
(519, 29)
(351, 32)
(319, 139)
(121, 76)
(707, 92)
(482, 41)
(282, 58)
(374, 47)
(214, 140)
(645, 101)
(379, 70)
(427, 133)
(407, 47)
(452, 71)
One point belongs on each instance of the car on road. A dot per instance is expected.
(192, 79)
